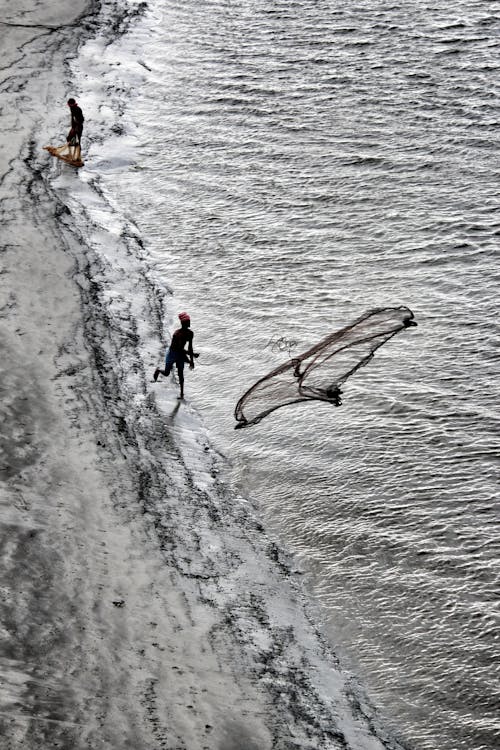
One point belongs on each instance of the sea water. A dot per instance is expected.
(288, 166)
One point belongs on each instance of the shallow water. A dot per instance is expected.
(294, 166)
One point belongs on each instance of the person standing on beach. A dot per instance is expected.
(74, 136)
(177, 353)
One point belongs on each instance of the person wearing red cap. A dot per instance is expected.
(177, 353)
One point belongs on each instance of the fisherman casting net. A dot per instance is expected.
(319, 372)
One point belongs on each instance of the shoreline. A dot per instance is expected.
(145, 605)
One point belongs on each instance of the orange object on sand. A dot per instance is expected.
(69, 153)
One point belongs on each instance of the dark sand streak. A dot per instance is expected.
(58, 619)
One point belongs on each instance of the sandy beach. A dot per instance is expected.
(143, 605)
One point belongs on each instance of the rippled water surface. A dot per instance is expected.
(299, 164)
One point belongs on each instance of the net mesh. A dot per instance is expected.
(68, 152)
(319, 373)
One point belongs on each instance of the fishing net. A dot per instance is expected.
(320, 371)
(68, 152)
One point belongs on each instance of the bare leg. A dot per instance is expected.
(159, 371)
(180, 373)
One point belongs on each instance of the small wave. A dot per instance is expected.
(110, 165)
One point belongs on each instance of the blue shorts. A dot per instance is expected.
(174, 358)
